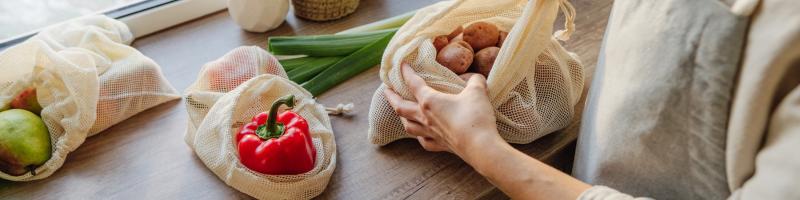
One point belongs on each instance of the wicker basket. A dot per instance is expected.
(324, 10)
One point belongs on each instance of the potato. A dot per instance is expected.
(484, 60)
(440, 41)
(464, 44)
(456, 57)
(455, 33)
(502, 38)
(480, 35)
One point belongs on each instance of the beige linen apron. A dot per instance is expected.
(666, 78)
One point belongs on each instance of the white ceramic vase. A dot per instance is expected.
(258, 15)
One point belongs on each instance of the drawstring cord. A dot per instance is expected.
(341, 109)
(569, 21)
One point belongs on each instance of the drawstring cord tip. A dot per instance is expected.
(341, 109)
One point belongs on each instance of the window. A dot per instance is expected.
(23, 16)
(20, 19)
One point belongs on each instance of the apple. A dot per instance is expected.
(25, 142)
(27, 100)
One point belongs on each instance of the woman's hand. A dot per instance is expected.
(464, 124)
(446, 122)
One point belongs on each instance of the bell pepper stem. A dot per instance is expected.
(272, 129)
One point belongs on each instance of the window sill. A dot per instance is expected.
(148, 17)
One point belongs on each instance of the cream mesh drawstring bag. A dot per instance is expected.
(223, 75)
(535, 82)
(87, 79)
(227, 94)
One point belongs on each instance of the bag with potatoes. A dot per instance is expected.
(533, 82)
(81, 77)
(226, 95)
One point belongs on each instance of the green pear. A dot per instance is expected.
(27, 100)
(24, 142)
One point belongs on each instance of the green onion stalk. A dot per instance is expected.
(332, 59)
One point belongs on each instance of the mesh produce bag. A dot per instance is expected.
(533, 86)
(227, 94)
(87, 79)
(223, 75)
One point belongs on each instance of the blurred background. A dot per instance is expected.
(22, 16)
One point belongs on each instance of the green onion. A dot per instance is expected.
(294, 63)
(349, 66)
(311, 68)
(332, 59)
(388, 23)
(324, 45)
(291, 64)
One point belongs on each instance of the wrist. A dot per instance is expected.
(481, 142)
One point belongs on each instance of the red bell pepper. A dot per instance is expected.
(277, 144)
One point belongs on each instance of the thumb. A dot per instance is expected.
(476, 83)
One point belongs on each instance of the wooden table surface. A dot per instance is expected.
(145, 156)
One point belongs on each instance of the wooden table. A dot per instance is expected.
(145, 156)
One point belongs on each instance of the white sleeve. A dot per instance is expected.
(777, 174)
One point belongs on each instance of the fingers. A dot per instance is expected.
(403, 108)
(415, 83)
(414, 128)
(466, 76)
(430, 144)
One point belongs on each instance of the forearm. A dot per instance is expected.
(517, 174)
